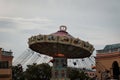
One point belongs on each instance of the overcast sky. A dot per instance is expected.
(96, 21)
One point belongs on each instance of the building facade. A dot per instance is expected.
(108, 62)
(5, 65)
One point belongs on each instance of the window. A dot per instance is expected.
(3, 64)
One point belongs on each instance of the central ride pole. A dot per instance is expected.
(59, 69)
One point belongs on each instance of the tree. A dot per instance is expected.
(43, 72)
(17, 72)
(76, 74)
(83, 76)
(38, 72)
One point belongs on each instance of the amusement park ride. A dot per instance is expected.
(61, 46)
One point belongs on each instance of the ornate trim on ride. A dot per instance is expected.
(63, 28)
(64, 40)
(51, 38)
(61, 39)
(77, 42)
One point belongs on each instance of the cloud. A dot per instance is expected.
(16, 30)
(95, 21)
(9, 24)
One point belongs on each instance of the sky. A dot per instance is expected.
(95, 21)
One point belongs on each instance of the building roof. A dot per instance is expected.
(112, 46)
(7, 53)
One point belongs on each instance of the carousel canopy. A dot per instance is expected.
(60, 42)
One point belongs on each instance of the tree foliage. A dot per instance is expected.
(17, 72)
(38, 72)
(43, 72)
(75, 74)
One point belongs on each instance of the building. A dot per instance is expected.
(108, 62)
(5, 65)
